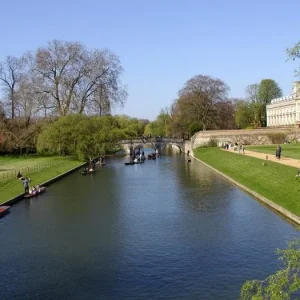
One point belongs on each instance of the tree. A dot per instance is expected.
(281, 285)
(251, 92)
(199, 96)
(225, 115)
(10, 76)
(72, 76)
(254, 106)
(81, 136)
(243, 114)
(268, 90)
(293, 54)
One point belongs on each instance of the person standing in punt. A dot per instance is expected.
(26, 185)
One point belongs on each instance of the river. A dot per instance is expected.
(166, 229)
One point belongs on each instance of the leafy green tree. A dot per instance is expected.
(132, 127)
(268, 90)
(243, 115)
(281, 285)
(162, 126)
(194, 127)
(81, 136)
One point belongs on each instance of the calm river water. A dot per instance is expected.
(166, 229)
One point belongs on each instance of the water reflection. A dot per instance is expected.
(166, 229)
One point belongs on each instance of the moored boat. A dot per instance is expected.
(152, 156)
(4, 210)
(40, 190)
(133, 163)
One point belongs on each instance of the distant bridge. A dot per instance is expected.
(156, 143)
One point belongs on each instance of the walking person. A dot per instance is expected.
(279, 151)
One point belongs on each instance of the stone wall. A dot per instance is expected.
(246, 137)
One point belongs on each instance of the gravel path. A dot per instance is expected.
(283, 160)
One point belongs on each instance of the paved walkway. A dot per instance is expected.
(284, 160)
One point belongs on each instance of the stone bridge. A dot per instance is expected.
(156, 143)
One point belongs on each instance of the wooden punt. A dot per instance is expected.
(4, 210)
(42, 189)
(88, 172)
(133, 163)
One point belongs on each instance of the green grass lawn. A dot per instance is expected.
(288, 150)
(274, 181)
(39, 169)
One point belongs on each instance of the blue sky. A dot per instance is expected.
(162, 44)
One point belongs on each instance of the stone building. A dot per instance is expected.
(285, 111)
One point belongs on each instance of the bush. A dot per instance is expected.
(277, 138)
(210, 143)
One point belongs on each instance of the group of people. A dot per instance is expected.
(236, 147)
(34, 189)
(137, 156)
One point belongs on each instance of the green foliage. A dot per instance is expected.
(161, 126)
(132, 127)
(81, 136)
(268, 90)
(281, 285)
(194, 128)
(243, 117)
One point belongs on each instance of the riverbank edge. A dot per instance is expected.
(19, 197)
(261, 198)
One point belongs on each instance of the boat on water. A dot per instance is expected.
(134, 163)
(39, 191)
(87, 172)
(4, 210)
(151, 156)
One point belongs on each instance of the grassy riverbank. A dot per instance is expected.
(39, 169)
(274, 181)
(288, 150)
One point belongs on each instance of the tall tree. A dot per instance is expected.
(243, 114)
(268, 90)
(10, 76)
(225, 115)
(71, 75)
(254, 106)
(199, 97)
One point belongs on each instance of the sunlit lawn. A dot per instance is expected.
(287, 150)
(274, 181)
(39, 169)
